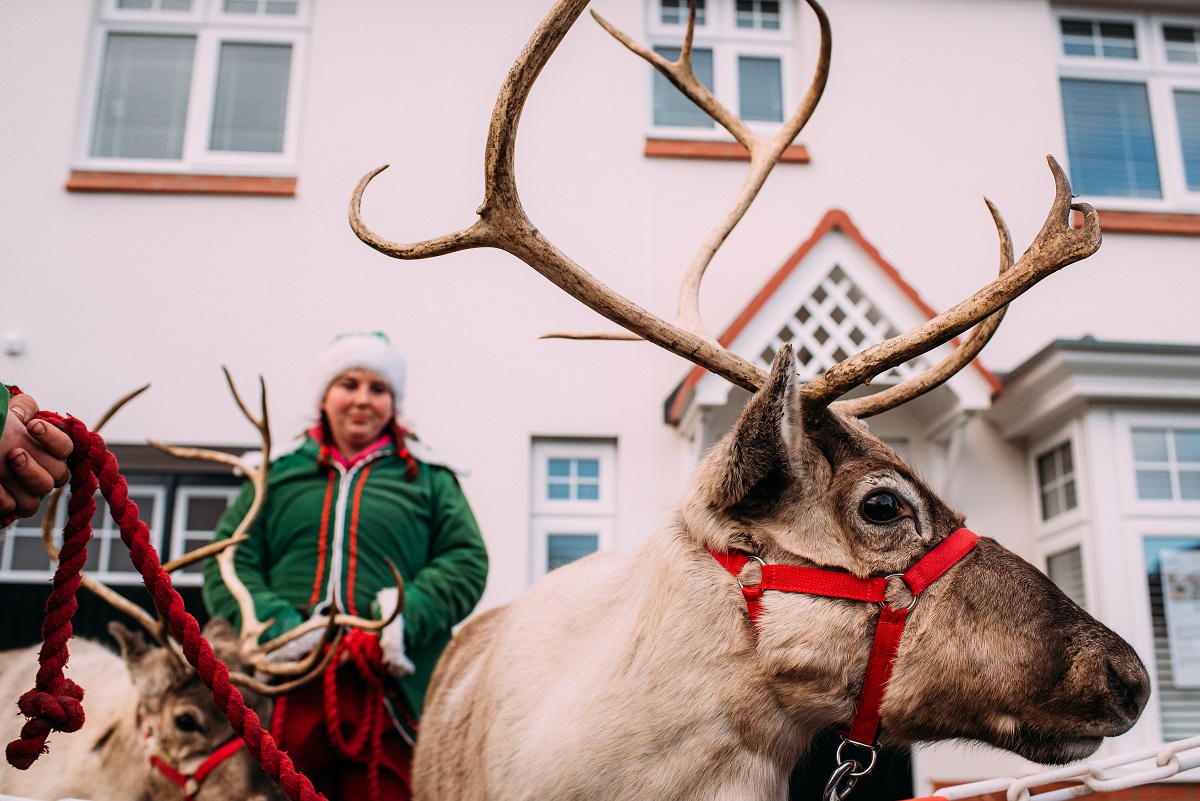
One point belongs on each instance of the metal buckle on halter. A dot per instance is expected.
(911, 603)
(761, 565)
(848, 771)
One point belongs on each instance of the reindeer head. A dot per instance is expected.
(182, 728)
(993, 651)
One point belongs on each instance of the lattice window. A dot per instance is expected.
(836, 321)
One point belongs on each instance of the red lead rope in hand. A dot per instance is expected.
(55, 703)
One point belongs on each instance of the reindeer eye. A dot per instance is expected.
(186, 723)
(881, 507)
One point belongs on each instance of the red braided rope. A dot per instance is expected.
(55, 701)
(364, 651)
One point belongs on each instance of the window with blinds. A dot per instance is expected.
(742, 52)
(196, 86)
(1065, 569)
(1178, 695)
(1130, 89)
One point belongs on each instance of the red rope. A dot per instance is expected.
(366, 746)
(55, 702)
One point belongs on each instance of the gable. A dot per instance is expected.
(832, 298)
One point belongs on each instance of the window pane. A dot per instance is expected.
(241, 6)
(1077, 37)
(282, 7)
(1050, 504)
(558, 468)
(1154, 485)
(251, 100)
(558, 492)
(562, 549)
(672, 107)
(588, 468)
(588, 492)
(135, 4)
(1187, 445)
(760, 87)
(203, 513)
(143, 99)
(1180, 44)
(1187, 112)
(1150, 445)
(1110, 140)
(1069, 499)
(1117, 40)
(1066, 570)
(1189, 485)
(176, 5)
(675, 12)
(28, 553)
(1047, 468)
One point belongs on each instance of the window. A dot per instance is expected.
(741, 50)
(1131, 107)
(190, 504)
(1167, 464)
(1065, 569)
(573, 504)
(1173, 578)
(201, 86)
(1056, 481)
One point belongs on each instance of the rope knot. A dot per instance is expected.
(61, 706)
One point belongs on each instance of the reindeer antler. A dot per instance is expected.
(503, 224)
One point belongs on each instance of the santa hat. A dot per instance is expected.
(366, 351)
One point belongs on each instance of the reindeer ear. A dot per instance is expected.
(132, 643)
(759, 444)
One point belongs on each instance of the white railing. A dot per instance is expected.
(1106, 775)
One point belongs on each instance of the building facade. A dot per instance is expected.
(176, 176)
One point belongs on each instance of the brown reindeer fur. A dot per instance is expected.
(642, 677)
(106, 759)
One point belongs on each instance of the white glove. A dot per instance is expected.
(391, 638)
(298, 648)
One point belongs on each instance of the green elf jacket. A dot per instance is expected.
(325, 531)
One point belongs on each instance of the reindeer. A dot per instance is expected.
(152, 729)
(808, 579)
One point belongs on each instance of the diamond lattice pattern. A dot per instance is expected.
(836, 321)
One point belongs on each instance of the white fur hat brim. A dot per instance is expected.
(371, 352)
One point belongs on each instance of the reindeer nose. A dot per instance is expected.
(1128, 686)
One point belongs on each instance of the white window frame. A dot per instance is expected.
(570, 516)
(179, 532)
(1161, 79)
(211, 27)
(1136, 506)
(727, 42)
(105, 539)
(1073, 434)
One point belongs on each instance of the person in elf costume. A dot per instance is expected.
(356, 490)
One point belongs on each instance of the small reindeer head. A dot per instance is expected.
(180, 725)
(993, 651)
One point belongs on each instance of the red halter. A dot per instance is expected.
(889, 629)
(191, 782)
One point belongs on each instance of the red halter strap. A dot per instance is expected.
(833, 584)
(191, 782)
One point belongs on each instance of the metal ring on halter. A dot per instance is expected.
(761, 565)
(843, 773)
(842, 762)
(900, 576)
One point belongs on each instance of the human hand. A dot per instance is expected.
(32, 458)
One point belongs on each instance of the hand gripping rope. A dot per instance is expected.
(55, 703)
